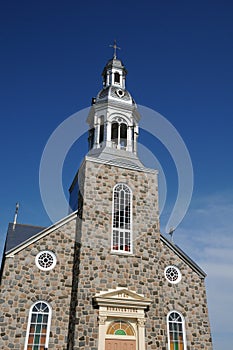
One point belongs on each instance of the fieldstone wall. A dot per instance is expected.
(86, 266)
(23, 283)
(142, 272)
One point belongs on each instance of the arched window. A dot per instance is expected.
(114, 137)
(176, 331)
(122, 219)
(91, 138)
(120, 328)
(119, 134)
(38, 326)
(120, 335)
(117, 78)
(123, 135)
(101, 129)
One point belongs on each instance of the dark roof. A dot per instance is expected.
(19, 233)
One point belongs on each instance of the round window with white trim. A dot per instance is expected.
(46, 260)
(172, 274)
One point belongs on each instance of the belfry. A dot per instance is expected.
(104, 277)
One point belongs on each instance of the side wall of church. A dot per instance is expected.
(23, 283)
(142, 272)
(187, 297)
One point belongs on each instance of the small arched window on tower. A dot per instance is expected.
(38, 326)
(122, 219)
(117, 78)
(101, 129)
(176, 331)
(105, 79)
(114, 135)
(119, 134)
(123, 135)
(91, 137)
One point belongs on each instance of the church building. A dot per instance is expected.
(104, 277)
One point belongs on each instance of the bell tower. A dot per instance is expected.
(113, 118)
(113, 126)
(118, 219)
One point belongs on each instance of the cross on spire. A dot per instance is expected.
(115, 47)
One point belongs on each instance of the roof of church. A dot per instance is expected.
(183, 255)
(19, 233)
(28, 234)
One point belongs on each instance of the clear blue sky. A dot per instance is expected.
(179, 59)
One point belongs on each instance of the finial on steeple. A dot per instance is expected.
(115, 47)
(16, 215)
(171, 231)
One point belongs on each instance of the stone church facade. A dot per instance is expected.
(103, 277)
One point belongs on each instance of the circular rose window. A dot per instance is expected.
(46, 260)
(172, 274)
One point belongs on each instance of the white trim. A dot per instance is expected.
(41, 234)
(125, 336)
(179, 275)
(120, 164)
(48, 324)
(183, 329)
(38, 262)
(183, 256)
(125, 118)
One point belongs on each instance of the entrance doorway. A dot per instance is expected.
(117, 344)
(120, 336)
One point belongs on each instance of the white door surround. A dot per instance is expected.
(122, 304)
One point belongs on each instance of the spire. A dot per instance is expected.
(115, 47)
(114, 73)
(16, 215)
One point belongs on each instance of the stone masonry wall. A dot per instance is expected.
(86, 266)
(142, 272)
(23, 283)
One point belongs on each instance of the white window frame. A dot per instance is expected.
(48, 324)
(122, 231)
(183, 329)
(46, 268)
(176, 270)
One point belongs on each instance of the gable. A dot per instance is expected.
(121, 297)
(182, 255)
(121, 293)
(40, 234)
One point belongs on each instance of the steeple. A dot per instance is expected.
(113, 118)
(115, 47)
(114, 74)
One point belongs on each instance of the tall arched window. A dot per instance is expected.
(176, 331)
(38, 326)
(122, 219)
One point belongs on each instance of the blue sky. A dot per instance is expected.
(179, 59)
